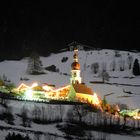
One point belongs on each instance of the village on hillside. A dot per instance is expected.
(75, 92)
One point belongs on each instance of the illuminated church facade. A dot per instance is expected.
(79, 91)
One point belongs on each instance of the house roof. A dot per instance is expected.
(81, 88)
(22, 86)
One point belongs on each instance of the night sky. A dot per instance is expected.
(26, 26)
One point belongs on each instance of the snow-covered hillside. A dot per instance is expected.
(119, 82)
(124, 86)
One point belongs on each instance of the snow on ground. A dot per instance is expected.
(123, 137)
(48, 129)
(119, 82)
(32, 135)
(122, 81)
(107, 136)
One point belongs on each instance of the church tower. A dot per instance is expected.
(75, 69)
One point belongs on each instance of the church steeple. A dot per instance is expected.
(75, 69)
(75, 65)
(75, 56)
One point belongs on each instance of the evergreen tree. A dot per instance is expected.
(34, 64)
(95, 67)
(1, 82)
(72, 94)
(136, 67)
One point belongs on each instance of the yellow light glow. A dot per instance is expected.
(34, 85)
(47, 88)
(61, 88)
(29, 94)
(96, 99)
(22, 85)
(136, 117)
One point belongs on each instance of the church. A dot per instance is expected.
(79, 91)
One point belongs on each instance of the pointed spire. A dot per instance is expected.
(75, 56)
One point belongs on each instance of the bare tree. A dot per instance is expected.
(37, 136)
(43, 113)
(105, 76)
(95, 67)
(4, 101)
(121, 64)
(104, 66)
(80, 112)
(113, 65)
(24, 116)
(61, 112)
(130, 61)
(36, 113)
(117, 53)
(9, 116)
(50, 137)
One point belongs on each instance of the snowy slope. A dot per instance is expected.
(46, 131)
(119, 82)
(14, 70)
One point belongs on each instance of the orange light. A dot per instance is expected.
(47, 88)
(136, 117)
(22, 85)
(62, 88)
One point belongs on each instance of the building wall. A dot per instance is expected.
(85, 98)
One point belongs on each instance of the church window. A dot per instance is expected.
(74, 74)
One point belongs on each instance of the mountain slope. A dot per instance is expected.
(120, 82)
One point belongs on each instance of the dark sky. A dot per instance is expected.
(44, 26)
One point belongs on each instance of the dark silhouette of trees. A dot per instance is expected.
(14, 136)
(64, 59)
(24, 117)
(105, 76)
(7, 116)
(136, 68)
(35, 66)
(117, 53)
(95, 67)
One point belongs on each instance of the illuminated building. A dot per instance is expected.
(76, 91)
(22, 86)
(82, 93)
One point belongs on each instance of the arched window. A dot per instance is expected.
(75, 74)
